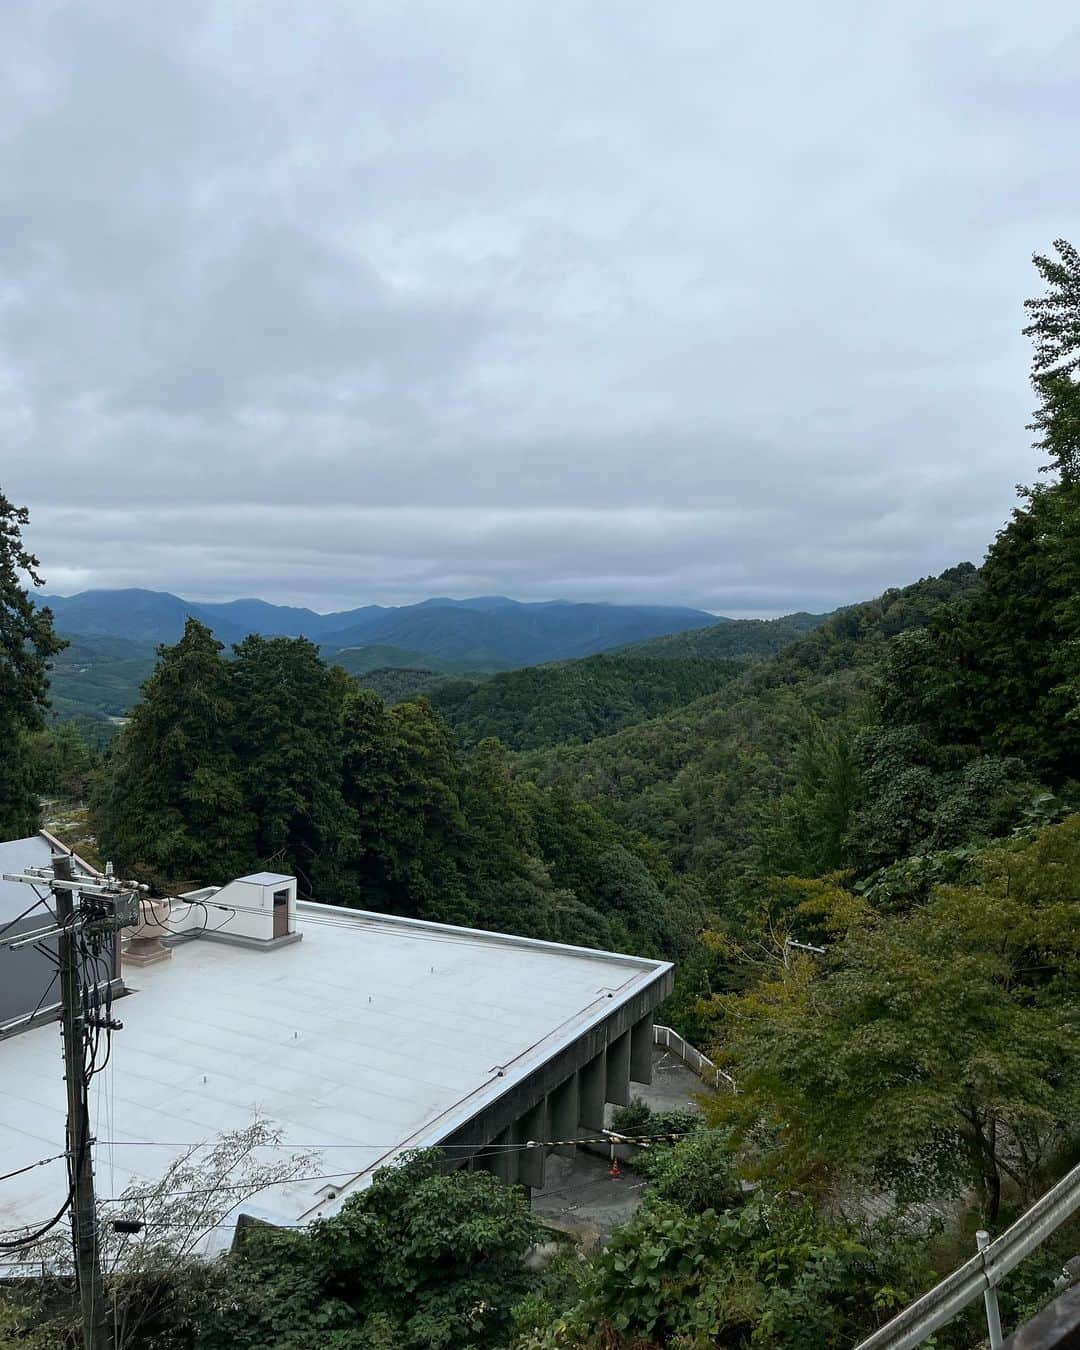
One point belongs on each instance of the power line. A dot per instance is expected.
(613, 1135)
(30, 1166)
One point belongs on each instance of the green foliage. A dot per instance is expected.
(287, 713)
(734, 639)
(696, 1174)
(420, 1260)
(271, 759)
(805, 830)
(27, 645)
(770, 1274)
(574, 701)
(640, 1120)
(696, 780)
(96, 678)
(171, 801)
(998, 675)
(62, 763)
(1055, 328)
(395, 684)
(930, 1051)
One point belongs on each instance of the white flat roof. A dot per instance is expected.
(370, 1035)
(266, 878)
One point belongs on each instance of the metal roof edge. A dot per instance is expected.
(315, 908)
(59, 844)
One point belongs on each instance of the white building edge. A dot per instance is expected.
(359, 1035)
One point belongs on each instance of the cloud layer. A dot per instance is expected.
(347, 303)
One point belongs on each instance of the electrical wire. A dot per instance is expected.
(671, 1137)
(30, 1166)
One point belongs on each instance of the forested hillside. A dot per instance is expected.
(736, 638)
(274, 758)
(697, 779)
(576, 700)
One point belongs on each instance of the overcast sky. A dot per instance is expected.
(700, 303)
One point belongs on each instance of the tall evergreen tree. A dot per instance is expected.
(287, 743)
(1055, 328)
(373, 769)
(27, 642)
(171, 799)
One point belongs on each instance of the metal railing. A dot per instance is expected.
(701, 1064)
(980, 1276)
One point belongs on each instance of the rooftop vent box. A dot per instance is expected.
(260, 908)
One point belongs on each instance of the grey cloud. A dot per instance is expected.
(367, 303)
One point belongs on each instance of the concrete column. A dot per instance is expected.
(641, 1050)
(563, 1113)
(533, 1125)
(498, 1160)
(618, 1070)
(593, 1094)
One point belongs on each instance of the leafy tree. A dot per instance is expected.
(171, 802)
(931, 1051)
(770, 1274)
(696, 1174)
(160, 1289)
(420, 1260)
(27, 643)
(1055, 328)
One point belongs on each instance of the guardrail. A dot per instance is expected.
(701, 1064)
(980, 1276)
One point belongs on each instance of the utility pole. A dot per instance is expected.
(106, 905)
(84, 1224)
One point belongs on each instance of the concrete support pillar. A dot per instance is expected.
(534, 1125)
(618, 1070)
(563, 1113)
(641, 1050)
(498, 1159)
(593, 1094)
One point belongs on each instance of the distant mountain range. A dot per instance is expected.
(484, 633)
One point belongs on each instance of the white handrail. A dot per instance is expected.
(701, 1064)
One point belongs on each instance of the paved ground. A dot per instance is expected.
(580, 1196)
(673, 1084)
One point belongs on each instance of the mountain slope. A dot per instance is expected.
(490, 631)
(573, 701)
(694, 778)
(732, 639)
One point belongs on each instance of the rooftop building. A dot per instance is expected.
(359, 1035)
